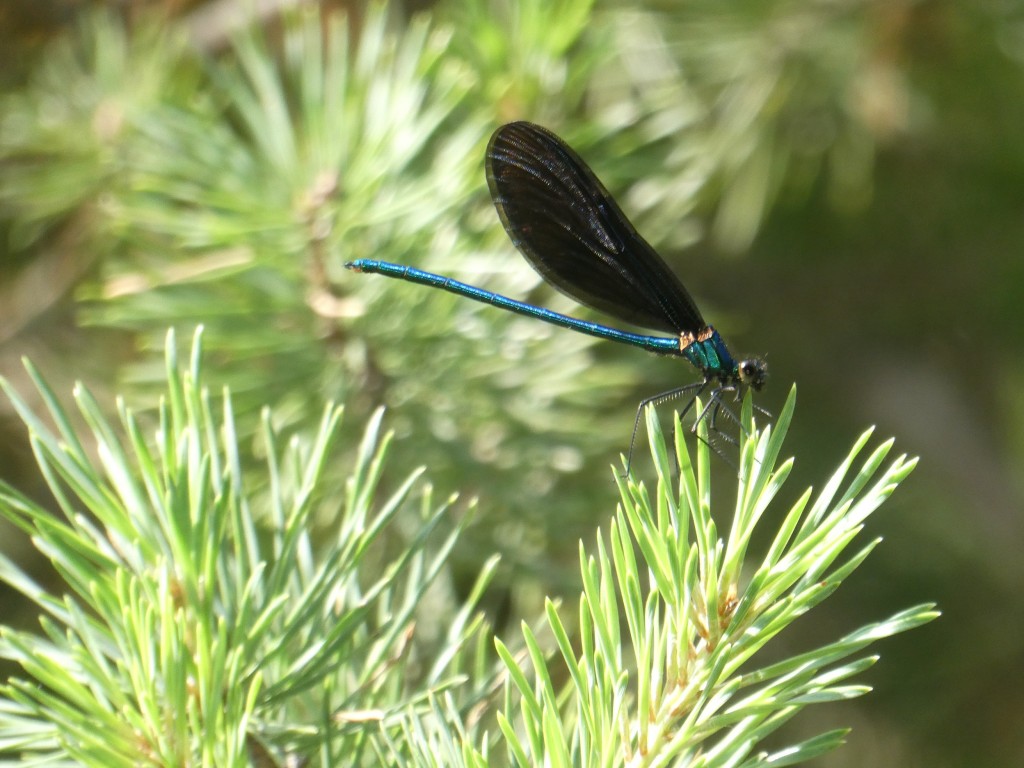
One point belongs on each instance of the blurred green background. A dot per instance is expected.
(839, 183)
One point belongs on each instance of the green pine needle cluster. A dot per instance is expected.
(221, 617)
(672, 616)
(209, 616)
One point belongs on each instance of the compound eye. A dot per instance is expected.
(753, 372)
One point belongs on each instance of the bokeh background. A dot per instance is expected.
(840, 183)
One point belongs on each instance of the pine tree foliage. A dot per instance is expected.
(673, 614)
(211, 618)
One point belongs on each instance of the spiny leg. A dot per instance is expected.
(740, 390)
(717, 404)
(709, 413)
(721, 406)
(657, 400)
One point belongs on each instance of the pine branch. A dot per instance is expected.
(206, 621)
(694, 609)
(211, 614)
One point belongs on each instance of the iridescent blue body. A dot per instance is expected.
(709, 355)
(705, 351)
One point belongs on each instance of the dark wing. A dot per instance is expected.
(562, 219)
